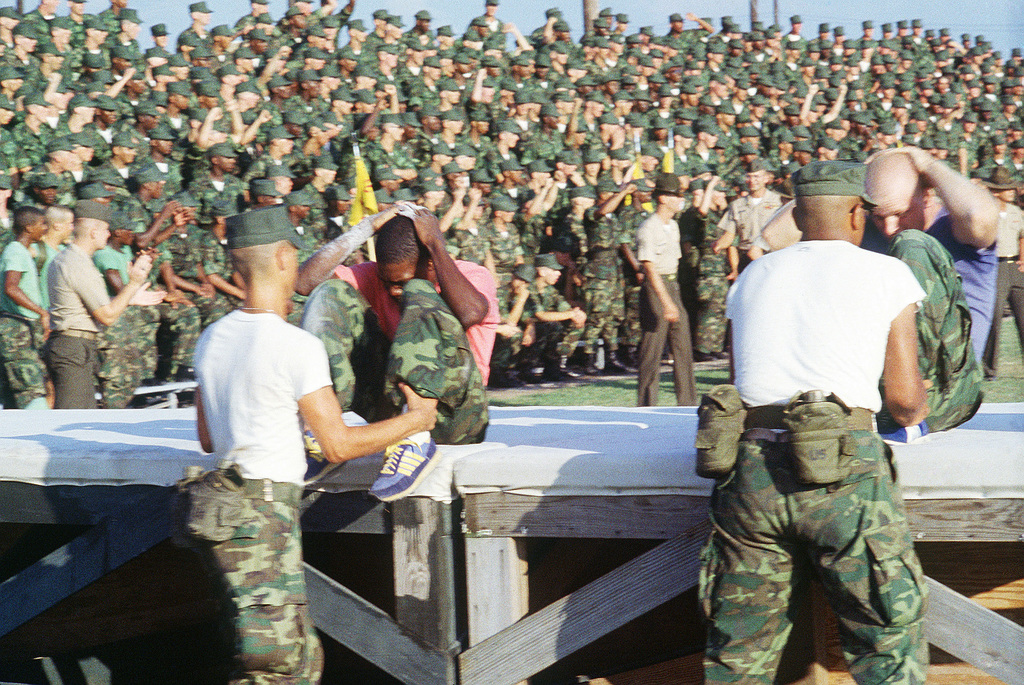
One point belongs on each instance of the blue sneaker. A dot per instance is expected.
(906, 435)
(316, 464)
(406, 464)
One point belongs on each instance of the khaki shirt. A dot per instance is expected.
(1009, 231)
(76, 290)
(657, 242)
(746, 218)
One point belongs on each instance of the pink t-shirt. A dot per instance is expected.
(363, 277)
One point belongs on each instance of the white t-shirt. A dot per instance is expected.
(816, 315)
(253, 369)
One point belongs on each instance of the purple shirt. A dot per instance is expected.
(977, 268)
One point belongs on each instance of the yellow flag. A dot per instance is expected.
(365, 202)
(668, 162)
(638, 173)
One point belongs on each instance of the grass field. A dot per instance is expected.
(620, 391)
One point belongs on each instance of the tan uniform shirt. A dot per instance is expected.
(746, 217)
(76, 289)
(1009, 231)
(657, 242)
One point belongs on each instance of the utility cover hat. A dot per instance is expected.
(263, 226)
(831, 178)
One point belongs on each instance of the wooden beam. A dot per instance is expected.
(118, 538)
(966, 520)
(583, 616)
(79, 505)
(974, 634)
(425, 571)
(371, 633)
(344, 512)
(649, 517)
(660, 517)
(496, 586)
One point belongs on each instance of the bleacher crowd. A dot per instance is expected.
(523, 144)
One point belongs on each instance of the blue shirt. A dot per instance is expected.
(977, 268)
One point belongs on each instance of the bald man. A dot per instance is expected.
(907, 185)
(917, 191)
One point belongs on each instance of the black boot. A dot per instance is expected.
(589, 367)
(629, 356)
(613, 366)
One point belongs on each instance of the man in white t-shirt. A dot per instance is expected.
(821, 320)
(259, 379)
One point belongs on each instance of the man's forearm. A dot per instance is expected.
(973, 210)
(467, 303)
(319, 267)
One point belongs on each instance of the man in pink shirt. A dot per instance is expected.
(438, 315)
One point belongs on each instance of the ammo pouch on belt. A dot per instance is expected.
(720, 420)
(819, 437)
(208, 506)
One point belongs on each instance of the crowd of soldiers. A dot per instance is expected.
(536, 151)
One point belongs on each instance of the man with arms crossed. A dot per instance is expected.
(821, 315)
(258, 378)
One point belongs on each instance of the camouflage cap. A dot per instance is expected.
(831, 178)
(263, 226)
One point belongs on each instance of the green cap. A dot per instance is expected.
(525, 272)
(263, 186)
(199, 7)
(547, 259)
(262, 227)
(90, 209)
(831, 178)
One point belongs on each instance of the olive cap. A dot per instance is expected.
(263, 226)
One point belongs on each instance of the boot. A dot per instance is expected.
(563, 366)
(613, 366)
(589, 367)
(630, 357)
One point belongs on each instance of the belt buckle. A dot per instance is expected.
(268, 490)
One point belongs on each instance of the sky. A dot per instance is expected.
(1000, 21)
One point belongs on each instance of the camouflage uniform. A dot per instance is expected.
(712, 287)
(630, 219)
(554, 338)
(22, 378)
(602, 291)
(263, 582)
(945, 354)
(854, 533)
(430, 353)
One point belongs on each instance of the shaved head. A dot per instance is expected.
(893, 183)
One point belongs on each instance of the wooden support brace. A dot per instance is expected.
(974, 633)
(125, 534)
(371, 633)
(425, 571)
(576, 620)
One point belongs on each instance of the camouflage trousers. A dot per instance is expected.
(430, 353)
(605, 312)
(710, 331)
(771, 534)
(632, 330)
(263, 586)
(22, 372)
(122, 363)
(172, 328)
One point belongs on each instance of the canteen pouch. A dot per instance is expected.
(818, 438)
(208, 506)
(720, 418)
